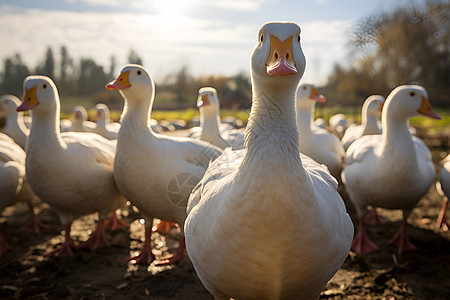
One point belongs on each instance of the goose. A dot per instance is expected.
(155, 172)
(103, 124)
(14, 125)
(393, 170)
(320, 122)
(80, 122)
(317, 143)
(266, 222)
(71, 171)
(13, 183)
(208, 104)
(443, 187)
(338, 125)
(371, 112)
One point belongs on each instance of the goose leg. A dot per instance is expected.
(146, 256)
(97, 239)
(373, 218)
(67, 247)
(35, 223)
(442, 219)
(115, 223)
(176, 258)
(361, 243)
(163, 227)
(401, 240)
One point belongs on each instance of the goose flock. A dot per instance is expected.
(259, 209)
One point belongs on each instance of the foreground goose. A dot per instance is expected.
(13, 183)
(338, 125)
(103, 124)
(370, 115)
(317, 143)
(443, 187)
(73, 172)
(155, 172)
(266, 222)
(393, 170)
(209, 106)
(14, 125)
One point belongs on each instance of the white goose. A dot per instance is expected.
(104, 126)
(443, 187)
(73, 172)
(370, 115)
(338, 125)
(317, 143)
(392, 170)
(266, 222)
(209, 106)
(13, 183)
(156, 173)
(80, 121)
(14, 125)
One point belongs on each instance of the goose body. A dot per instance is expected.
(72, 171)
(266, 222)
(80, 121)
(392, 170)
(155, 172)
(443, 187)
(209, 106)
(103, 124)
(315, 142)
(15, 126)
(371, 112)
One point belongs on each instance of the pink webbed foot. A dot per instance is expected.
(146, 256)
(163, 227)
(4, 246)
(361, 243)
(97, 239)
(442, 219)
(402, 241)
(177, 258)
(35, 225)
(373, 218)
(115, 223)
(67, 247)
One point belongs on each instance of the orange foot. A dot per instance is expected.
(66, 248)
(442, 219)
(97, 239)
(146, 257)
(373, 218)
(361, 243)
(177, 258)
(163, 226)
(402, 241)
(115, 223)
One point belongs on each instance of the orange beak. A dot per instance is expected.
(203, 101)
(120, 83)
(29, 100)
(315, 95)
(426, 109)
(281, 61)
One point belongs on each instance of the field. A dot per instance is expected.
(25, 273)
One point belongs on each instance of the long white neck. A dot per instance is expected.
(271, 136)
(136, 112)
(15, 122)
(209, 124)
(369, 124)
(305, 119)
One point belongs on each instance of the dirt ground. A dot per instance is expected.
(26, 273)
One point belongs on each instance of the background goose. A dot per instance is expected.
(103, 124)
(73, 172)
(317, 143)
(392, 170)
(443, 187)
(371, 112)
(14, 125)
(266, 222)
(80, 121)
(156, 173)
(209, 106)
(338, 124)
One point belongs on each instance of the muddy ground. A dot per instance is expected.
(26, 273)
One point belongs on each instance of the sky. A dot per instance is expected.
(210, 37)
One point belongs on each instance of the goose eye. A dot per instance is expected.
(139, 72)
(261, 38)
(304, 87)
(412, 94)
(44, 86)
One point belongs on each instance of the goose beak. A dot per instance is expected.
(315, 95)
(426, 109)
(281, 61)
(202, 101)
(29, 100)
(120, 83)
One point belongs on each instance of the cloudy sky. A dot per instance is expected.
(209, 36)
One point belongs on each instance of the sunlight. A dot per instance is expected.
(172, 12)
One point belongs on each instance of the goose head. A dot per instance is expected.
(102, 112)
(407, 101)
(373, 106)
(40, 95)
(133, 82)
(207, 100)
(278, 58)
(307, 96)
(8, 105)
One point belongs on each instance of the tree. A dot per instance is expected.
(112, 67)
(133, 58)
(14, 72)
(47, 67)
(92, 78)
